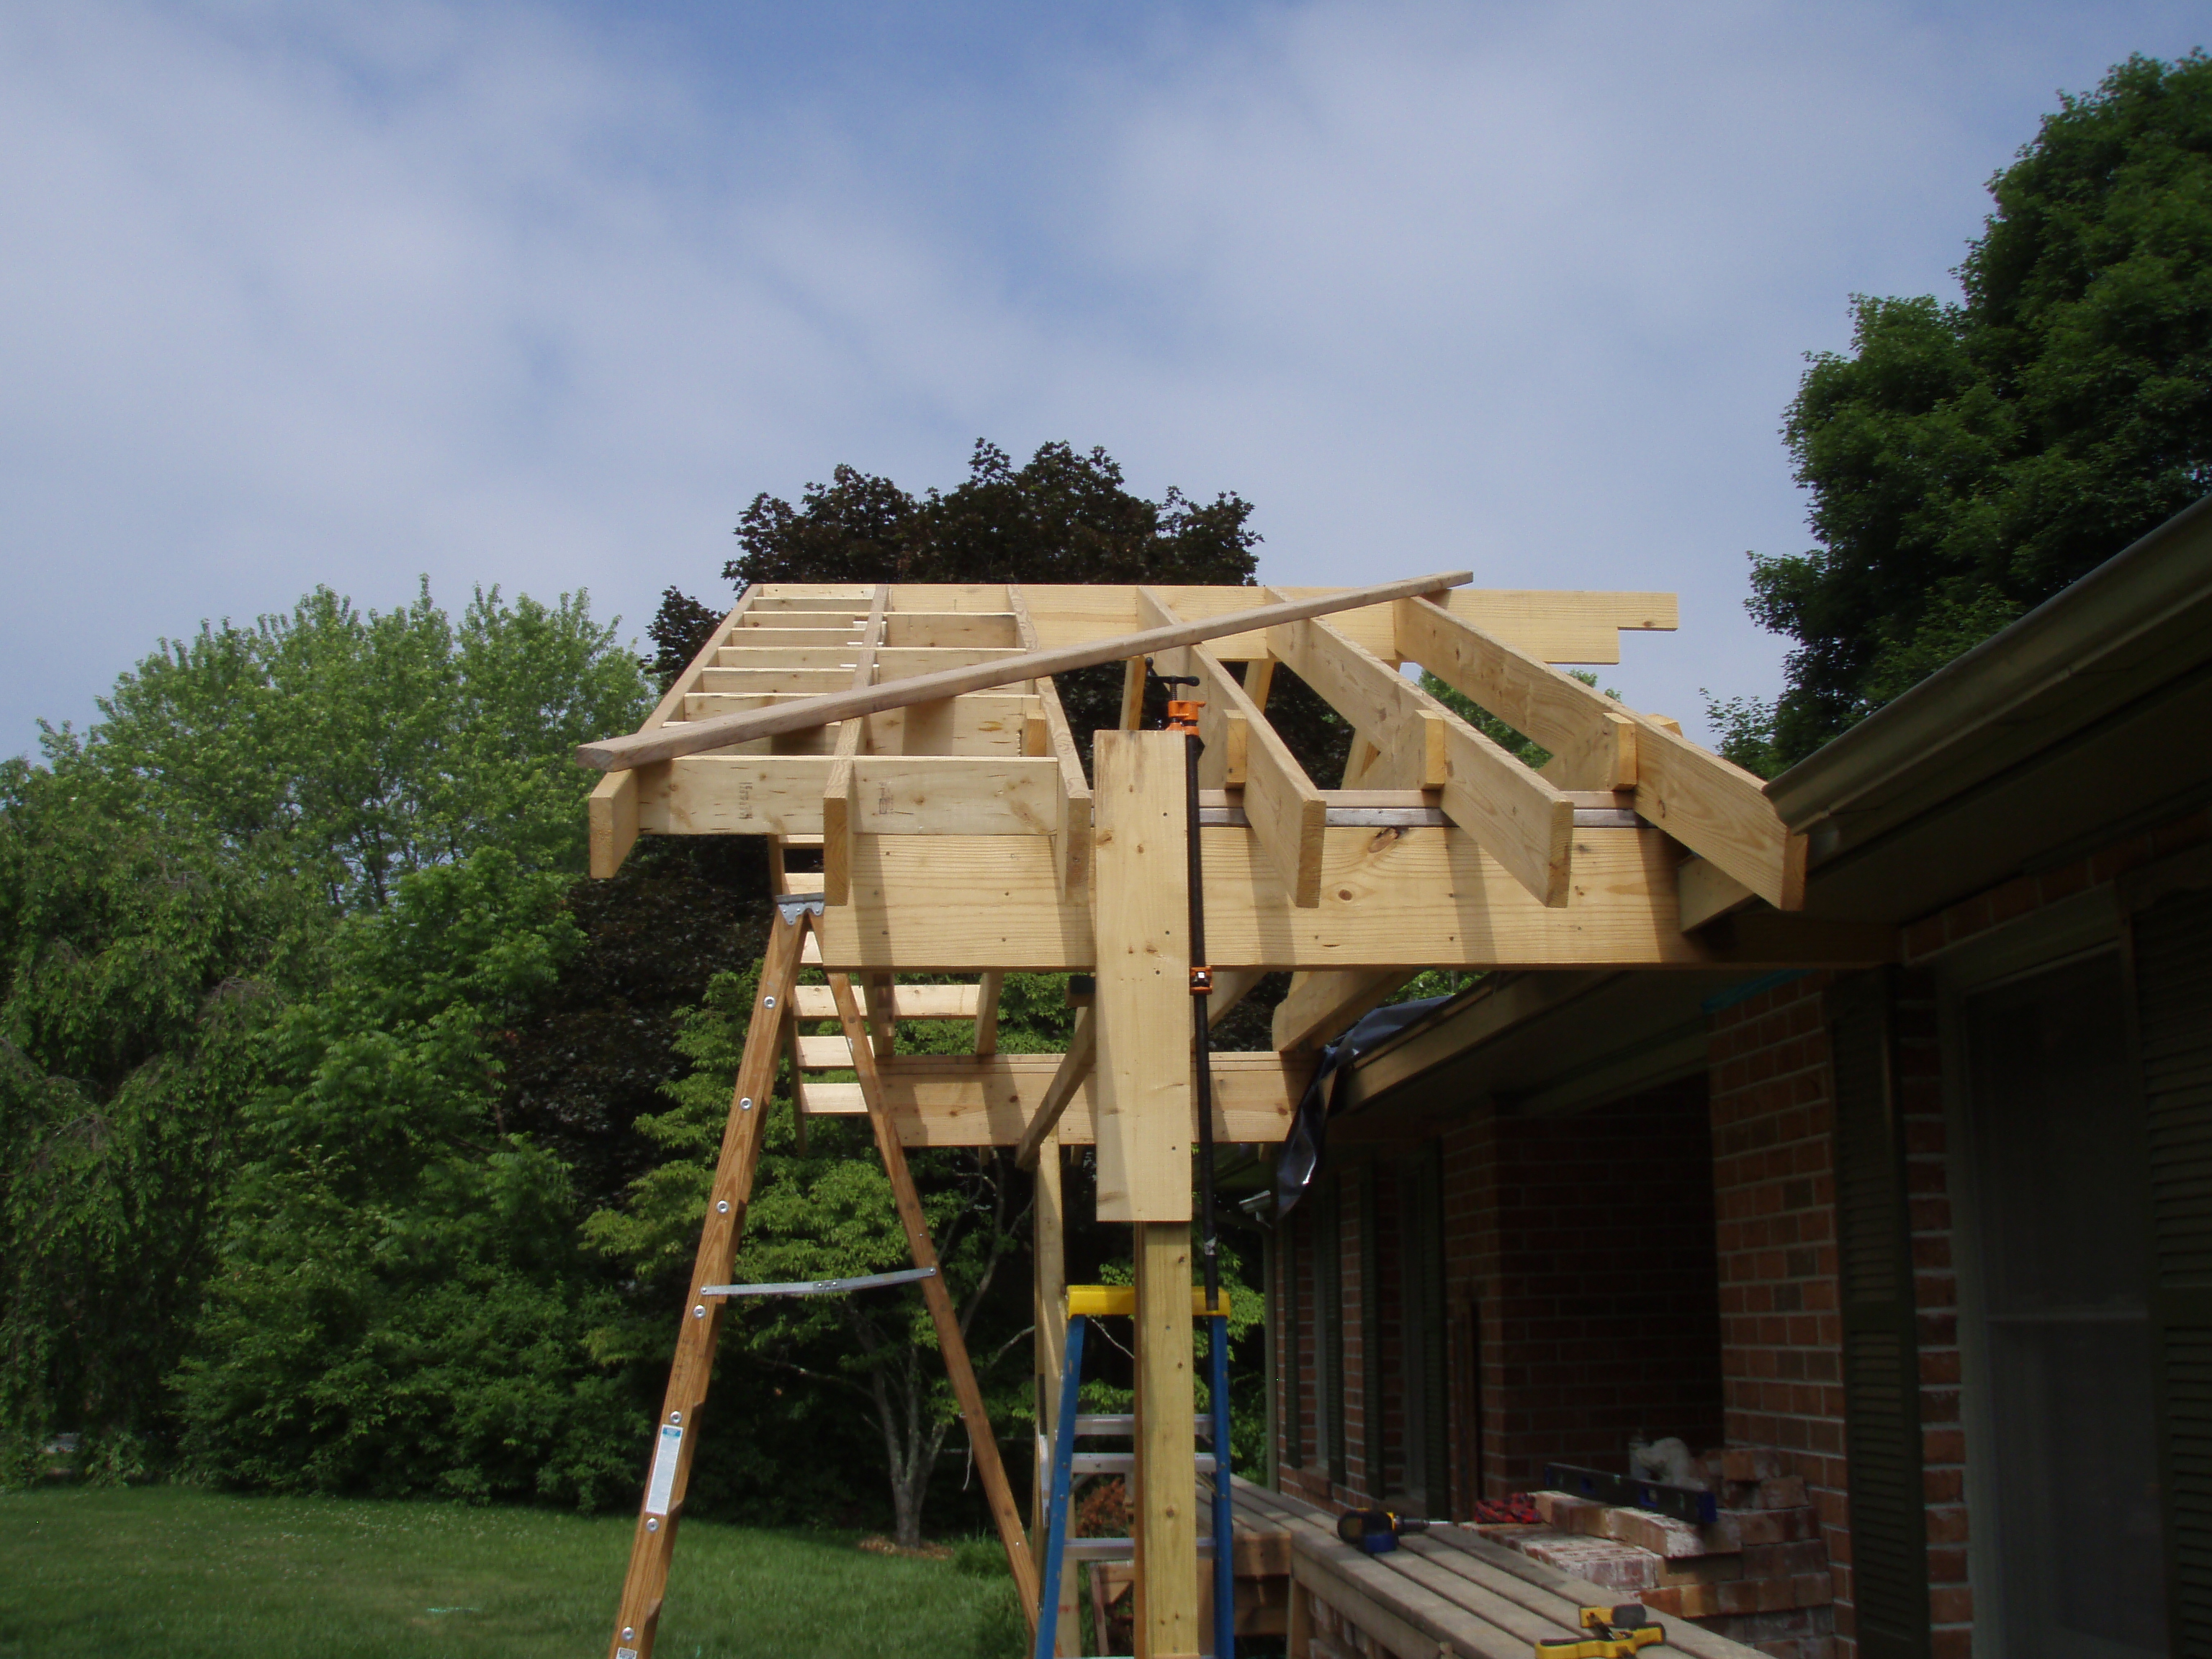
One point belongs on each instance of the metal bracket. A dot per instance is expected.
(792, 906)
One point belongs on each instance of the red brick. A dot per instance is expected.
(1813, 1589)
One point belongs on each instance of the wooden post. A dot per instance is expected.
(950, 1340)
(1050, 1315)
(678, 1434)
(1144, 1120)
(1165, 1501)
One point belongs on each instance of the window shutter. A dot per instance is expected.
(1328, 1328)
(2172, 962)
(1428, 1357)
(1291, 1391)
(1370, 1341)
(1881, 1355)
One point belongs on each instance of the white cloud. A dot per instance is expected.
(523, 295)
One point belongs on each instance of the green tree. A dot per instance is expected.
(400, 1304)
(1968, 459)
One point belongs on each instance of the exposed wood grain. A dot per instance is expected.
(1143, 1009)
(1072, 840)
(1164, 1505)
(1067, 1078)
(612, 754)
(951, 1342)
(1322, 1005)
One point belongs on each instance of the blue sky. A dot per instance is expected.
(542, 294)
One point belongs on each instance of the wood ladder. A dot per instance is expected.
(676, 1438)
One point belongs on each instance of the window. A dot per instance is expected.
(2066, 1432)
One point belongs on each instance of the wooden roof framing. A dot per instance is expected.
(957, 831)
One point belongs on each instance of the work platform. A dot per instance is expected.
(916, 737)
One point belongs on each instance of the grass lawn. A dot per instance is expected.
(172, 1571)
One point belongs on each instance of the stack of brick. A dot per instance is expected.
(1758, 1575)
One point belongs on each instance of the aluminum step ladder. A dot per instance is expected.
(1085, 1303)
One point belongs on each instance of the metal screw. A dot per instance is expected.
(675, 1417)
(629, 1635)
(745, 1104)
(699, 1312)
(767, 1002)
(722, 1207)
(651, 1524)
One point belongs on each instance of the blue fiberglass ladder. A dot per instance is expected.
(1085, 1303)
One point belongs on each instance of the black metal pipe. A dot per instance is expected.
(1201, 1037)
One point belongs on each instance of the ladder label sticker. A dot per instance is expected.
(662, 1487)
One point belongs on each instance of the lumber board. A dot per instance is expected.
(1322, 1005)
(612, 754)
(887, 795)
(987, 1012)
(1281, 803)
(1072, 841)
(1143, 920)
(951, 1339)
(1520, 820)
(1500, 1568)
(907, 1002)
(1163, 1501)
(992, 1100)
(943, 628)
(981, 723)
(1390, 898)
(1714, 808)
(1702, 891)
(1067, 1078)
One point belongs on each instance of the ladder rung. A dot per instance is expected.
(1126, 1462)
(1126, 1422)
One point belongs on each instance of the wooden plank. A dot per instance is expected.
(1143, 1009)
(1073, 840)
(1133, 694)
(835, 821)
(1068, 1077)
(1502, 1567)
(1322, 1006)
(613, 754)
(611, 816)
(1388, 897)
(1163, 1503)
(821, 1054)
(1601, 757)
(994, 1100)
(1345, 1582)
(941, 628)
(981, 723)
(1282, 805)
(1520, 820)
(884, 795)
(1714, 808)
(907, 1002)
(983, 1441)
(987, 1012)
(1702, 891)
(638, 1617)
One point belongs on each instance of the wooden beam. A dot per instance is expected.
(1389, 896)
(1164, 1500)
(1143, 1006)
(907, 1002)
(982, 1440)
(1281, 803)
(987, 1012)
(1068, 1077)
(1715, 809)
(882, 795)
(1072, 840)
(1702, 891)
(1520, 820)
(838, 825)
(612, 811)
(996, 1100)
(1133, 694)
(613, 754)
(1322, 1005)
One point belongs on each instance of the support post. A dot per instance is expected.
(1166, 1500)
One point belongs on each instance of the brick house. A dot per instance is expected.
(1925, 1251)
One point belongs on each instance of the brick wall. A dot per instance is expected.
(1584, 1245)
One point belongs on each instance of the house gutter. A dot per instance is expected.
(2136, 592)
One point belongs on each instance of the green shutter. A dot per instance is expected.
(2172, 960)
(1328, 1327)
(1293, 1387)
(1370, 1341)
(1881, 1355)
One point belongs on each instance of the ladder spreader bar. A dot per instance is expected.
(823, 1286)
